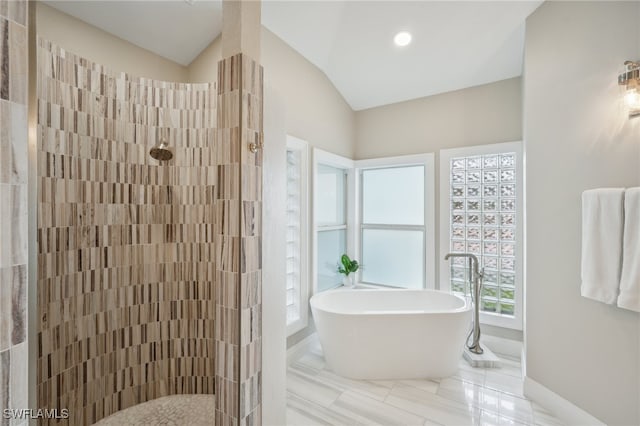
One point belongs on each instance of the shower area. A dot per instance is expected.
(126, 242)
(148, 245)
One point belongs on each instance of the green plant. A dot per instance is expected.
(348, 266)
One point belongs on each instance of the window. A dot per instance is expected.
(481, 202)
(396, 221)
(331, 183)
(297, 275)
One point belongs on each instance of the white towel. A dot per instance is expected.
(602, 225)
(630, 280)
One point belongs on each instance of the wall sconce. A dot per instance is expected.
(630, 79)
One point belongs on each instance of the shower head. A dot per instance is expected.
(161, 151)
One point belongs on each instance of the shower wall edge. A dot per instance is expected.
(32, 208)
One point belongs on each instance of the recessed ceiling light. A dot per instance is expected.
(403, 38)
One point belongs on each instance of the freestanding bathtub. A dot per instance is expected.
(391, 334)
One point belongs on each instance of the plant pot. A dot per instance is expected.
(347, 281)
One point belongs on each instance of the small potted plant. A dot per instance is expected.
(347, 266)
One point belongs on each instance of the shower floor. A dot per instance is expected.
(178, 410)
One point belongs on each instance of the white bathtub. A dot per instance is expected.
(391, 334)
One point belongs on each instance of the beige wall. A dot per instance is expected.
(204, 68)
(315, 111)
(577, 137)
(485, 114)
(92, 43)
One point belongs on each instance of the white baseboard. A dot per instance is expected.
(296, 350)
(557, 405)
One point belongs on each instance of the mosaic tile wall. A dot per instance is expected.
(13, 208)
(126, 256)
(239, 243)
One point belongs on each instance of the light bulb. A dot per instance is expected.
(402, 39)
(632, 99)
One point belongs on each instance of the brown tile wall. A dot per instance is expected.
(126, 252)
(13, 208)
(239, 237)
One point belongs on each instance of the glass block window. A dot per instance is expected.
(483, 222)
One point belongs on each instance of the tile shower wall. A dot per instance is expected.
(239, 242)
(126, 256)
(13, 207)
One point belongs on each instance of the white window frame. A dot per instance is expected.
(295, 144)
(445, 214)
(428, 161)
(321, 157)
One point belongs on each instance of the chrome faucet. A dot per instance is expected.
(476, 275)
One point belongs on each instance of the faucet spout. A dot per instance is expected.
(474, 264)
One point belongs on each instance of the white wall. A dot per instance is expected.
(92, 43)
(479, 115)
(274, 314)
(577, 137)
(315, 111)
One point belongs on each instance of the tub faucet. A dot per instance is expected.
(476, 274)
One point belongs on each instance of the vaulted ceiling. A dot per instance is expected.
(456, 44)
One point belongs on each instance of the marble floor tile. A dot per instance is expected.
(473, 396)
(469, 374)
(510, 368)
(305, 417)
(469, 393)
(432, 406)
(301, 412)
(423, 384)
(488, 418)
(312, 360)
(367, 388)
(372, 412)
(504, 383)
(310, 388)
(516, 408)
(487, 399)
(305, 368)
(542, 417)
(386, 383)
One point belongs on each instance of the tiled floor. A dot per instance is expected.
(176, 410)
(316, 396)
